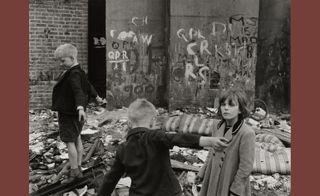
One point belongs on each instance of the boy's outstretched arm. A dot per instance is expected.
(188, 140)
(111, 178)
(217, 143)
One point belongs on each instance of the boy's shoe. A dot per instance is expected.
(74, 175)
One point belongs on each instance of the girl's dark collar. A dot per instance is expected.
(236, 127)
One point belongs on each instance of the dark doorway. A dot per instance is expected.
(97, 45)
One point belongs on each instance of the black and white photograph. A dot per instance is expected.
(159, 97)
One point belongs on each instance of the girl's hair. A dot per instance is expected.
(140, 109)
(236, 95)
(66, 50)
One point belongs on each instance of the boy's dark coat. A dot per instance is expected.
(72, 90)
(144, 157)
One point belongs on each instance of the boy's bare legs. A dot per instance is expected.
(79, 148)
(73, 155)
(73, 159)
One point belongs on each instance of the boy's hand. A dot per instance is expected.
(217, 143)
(82, 115)
(100, 100)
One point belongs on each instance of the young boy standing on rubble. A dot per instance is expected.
(70, 97)
(144, 156)
(226, 172)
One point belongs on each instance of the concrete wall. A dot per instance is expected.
(136, 59)
(273, 65)
(212, 47)
(51, 23)
(180, 51)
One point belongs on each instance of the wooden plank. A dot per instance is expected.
(90, 175)
(178, 165)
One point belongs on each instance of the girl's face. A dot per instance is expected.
(230, 109)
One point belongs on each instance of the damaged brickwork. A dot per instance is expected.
(51, 23)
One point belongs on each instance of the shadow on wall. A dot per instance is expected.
(273, 58)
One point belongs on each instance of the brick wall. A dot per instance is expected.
(51, 23)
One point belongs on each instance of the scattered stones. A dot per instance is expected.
(48, 154)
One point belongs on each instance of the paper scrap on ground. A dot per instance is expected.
(89, 132)
(124, 182)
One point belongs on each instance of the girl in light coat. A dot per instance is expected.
(226, 172)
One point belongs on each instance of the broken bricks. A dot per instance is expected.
(113, 132)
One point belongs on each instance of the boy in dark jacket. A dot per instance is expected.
(70, 97)
(144, 156)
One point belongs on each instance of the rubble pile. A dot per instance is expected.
(266, 184)
(104, 130)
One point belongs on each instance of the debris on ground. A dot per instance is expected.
(104, 130)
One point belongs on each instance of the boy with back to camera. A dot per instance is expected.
(70, 97)
(144, 156)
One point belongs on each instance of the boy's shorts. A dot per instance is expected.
(69, 127)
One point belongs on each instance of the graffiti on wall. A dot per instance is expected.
(134, 66)
(99, 42)
(217, 54)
